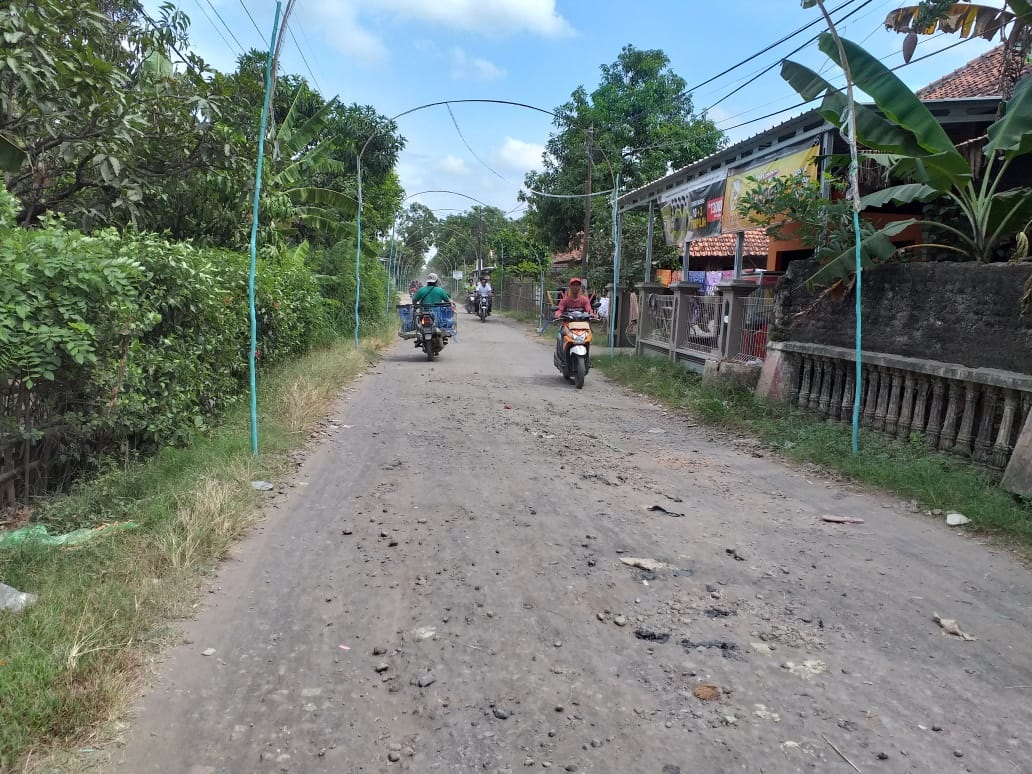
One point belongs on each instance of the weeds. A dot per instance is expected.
(70, 663)
(908, 469)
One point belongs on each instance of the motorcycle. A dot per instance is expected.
(434, 325)
(573, 346)
(483, 308)
(471, 302)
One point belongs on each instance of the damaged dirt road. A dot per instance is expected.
(452, 583)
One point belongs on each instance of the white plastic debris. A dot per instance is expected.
(13, 600)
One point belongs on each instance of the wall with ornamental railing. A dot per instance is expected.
(976, 413)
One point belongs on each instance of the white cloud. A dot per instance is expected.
(494, 18)
(452, 165)
(465, 67)
(343, 20)
(519, 156)
(344, 31)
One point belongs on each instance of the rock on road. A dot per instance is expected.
(442, 590)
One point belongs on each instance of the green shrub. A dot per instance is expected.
(134, 342)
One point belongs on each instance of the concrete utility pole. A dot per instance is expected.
(587, 199)
(480, 244)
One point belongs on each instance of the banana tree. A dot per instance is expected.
(905, 137)
(963, 19)
(302, 157)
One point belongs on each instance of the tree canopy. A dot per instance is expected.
(639, 122)
(108, 118)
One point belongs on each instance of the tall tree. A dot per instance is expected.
(639, 122)
(414, 238)
(313, 149)
(464, 238)
(98, 106)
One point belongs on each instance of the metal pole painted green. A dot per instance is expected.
(254, 235)
(390, 263)
(358, 244)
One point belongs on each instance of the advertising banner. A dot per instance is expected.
(804, 160)
(692, 211)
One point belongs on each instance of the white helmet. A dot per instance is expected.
(431, 277)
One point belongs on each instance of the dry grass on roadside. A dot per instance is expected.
(70, 665)
(302, 398)
(206, 522)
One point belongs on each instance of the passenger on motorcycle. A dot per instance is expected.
(574, 300)
(484, 289)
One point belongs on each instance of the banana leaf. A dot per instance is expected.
(1023, 9)
(875, 245)
(900, 194)
(11, 156)
(872, 130)
(940, 170)
(1009, 211)
(344, 205)
(899, 104)
(292, 140)
(1012, 133)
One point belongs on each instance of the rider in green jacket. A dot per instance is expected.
(431, 293)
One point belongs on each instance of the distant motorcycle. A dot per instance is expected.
(483, 308)
(573, 346)
(471, 302)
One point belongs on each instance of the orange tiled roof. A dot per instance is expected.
(978, 78)
(572, 254)
(566, 259)
(756, 242)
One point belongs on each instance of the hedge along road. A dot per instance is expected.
(444, 587)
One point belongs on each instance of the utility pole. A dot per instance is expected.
(587, 199)
(480, 243)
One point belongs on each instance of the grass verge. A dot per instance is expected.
(69, 664)
(910, 470)
(520, 316)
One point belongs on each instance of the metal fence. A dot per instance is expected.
(703, 324)
(658, 320)
(759, 316)
(519, 296)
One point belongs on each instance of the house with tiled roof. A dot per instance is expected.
(981, 77)
(964, 102)
(572, 256)
(711, 253)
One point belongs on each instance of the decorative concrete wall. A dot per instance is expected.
(961, 313)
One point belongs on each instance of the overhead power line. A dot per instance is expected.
(762, 51)
(216, 27)
(929, 55)
(472, 152)
(305, 60)
(253, 22)
(224, 24)
(790, 53)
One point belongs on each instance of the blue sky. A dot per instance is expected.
(397, 54)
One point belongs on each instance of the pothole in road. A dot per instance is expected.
(718, 612)
(727, 649)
